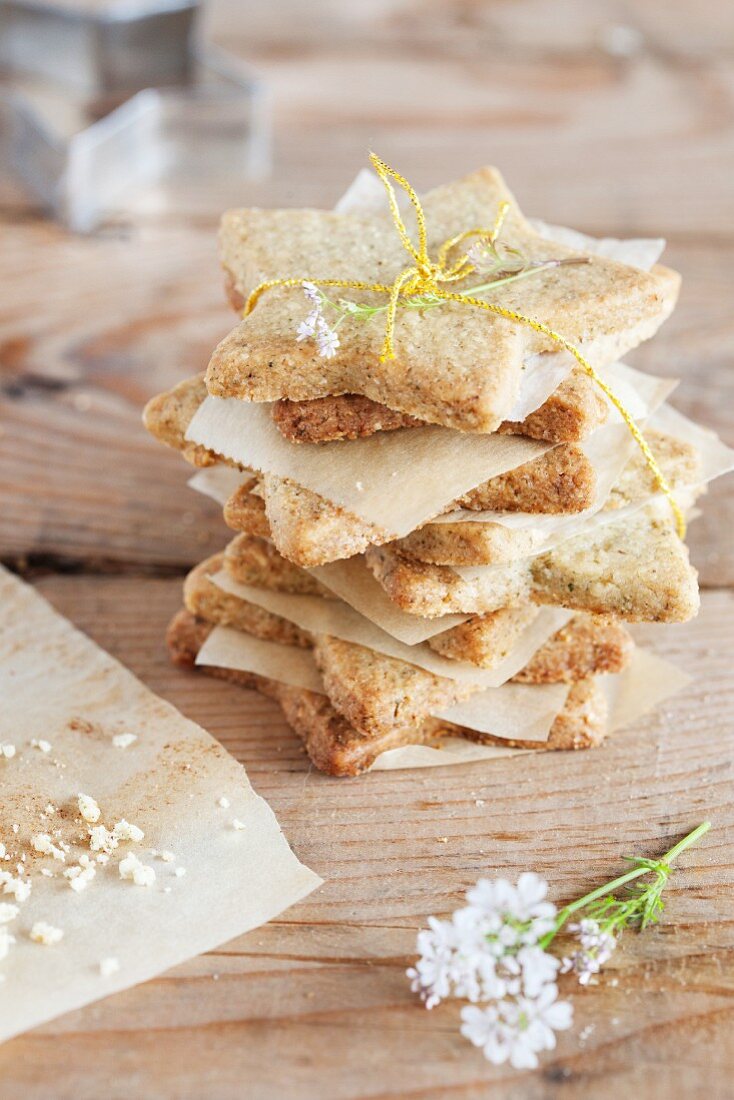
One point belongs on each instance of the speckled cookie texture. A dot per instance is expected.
(589, 644)
(310, 530)
(586, 646)
(168, 415)
(637, 568)
(256, 561)
(206, 600)
(456, 365)
(376, 693)
(570, 414)
(338, 748)
(467, 543)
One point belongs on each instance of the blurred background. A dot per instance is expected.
(127, 127)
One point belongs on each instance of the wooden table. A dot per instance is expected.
(615, 131)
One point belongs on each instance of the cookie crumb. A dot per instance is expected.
(139, 873)
(109, 966)
(123, 830)
(124, 740)
(45, 933)
(88, 808)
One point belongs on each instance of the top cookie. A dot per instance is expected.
(455, 364)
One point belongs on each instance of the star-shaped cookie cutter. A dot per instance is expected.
(98, 105)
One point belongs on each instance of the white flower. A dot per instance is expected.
(433, 974)
(317, 325)
(596, 949)
(516, 914)
(308, 327)
(312, 292)
(327, 340)
(516, 1031)
(489, 952)
(538, 969)
(482, 953)
(479, 255)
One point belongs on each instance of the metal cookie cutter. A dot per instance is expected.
(104, 106)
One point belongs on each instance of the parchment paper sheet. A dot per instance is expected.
(647, 682)
(428, 467)
(396, 480)
(57, 685)
(513, 710)
(542, 374)
(337, 618)
(217, 482)
(351, 580)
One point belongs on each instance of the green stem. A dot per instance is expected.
(366, 312)
(524, 274)
(622, 880)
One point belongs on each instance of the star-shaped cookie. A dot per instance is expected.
(454, 365)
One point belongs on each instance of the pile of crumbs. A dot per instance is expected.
(80, 871)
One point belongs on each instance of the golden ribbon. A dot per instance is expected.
(426, 277)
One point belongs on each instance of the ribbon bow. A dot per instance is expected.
(426, 277)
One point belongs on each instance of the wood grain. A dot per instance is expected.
(617, 133)
(316, 1005)
(79, 477)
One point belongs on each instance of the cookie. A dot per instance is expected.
(570, 414)
(255, 561)
(637, 568)
(168, 415)
(454, 365)
(467, 543)
(208, 601)
(586, 646)
(376, 693)
(337, 748)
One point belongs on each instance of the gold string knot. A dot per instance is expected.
(426, 277)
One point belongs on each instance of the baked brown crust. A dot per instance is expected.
(560, 481)
(377, 693)
(569, 415)
(587, 646)
(337, 748)
(208, 601)
(349, 416)
(456, 366)
(256, 561)
(168, 415)
(486, 640)
(245, 510)
(637, 569)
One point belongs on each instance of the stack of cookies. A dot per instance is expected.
(443, 525)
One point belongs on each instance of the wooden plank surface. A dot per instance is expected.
(615, 131)
(316, 1004)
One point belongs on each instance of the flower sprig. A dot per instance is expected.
(494, 951)
(503, 264)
